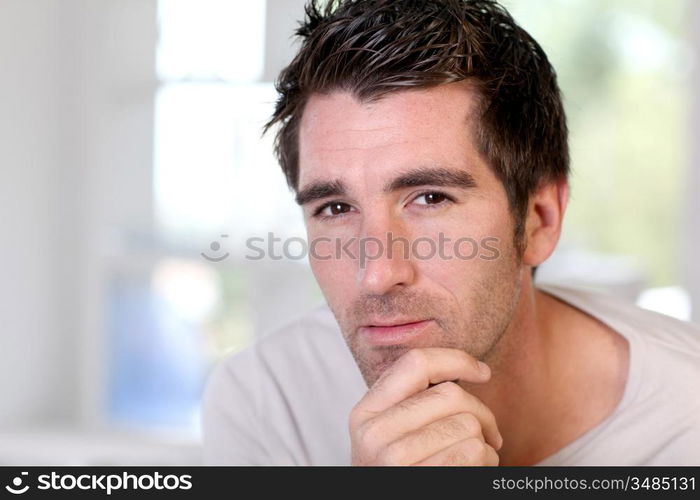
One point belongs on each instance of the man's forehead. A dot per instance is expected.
(456, 100)
(410, 129)
(339, 122)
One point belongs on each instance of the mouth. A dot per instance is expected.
(383, 333)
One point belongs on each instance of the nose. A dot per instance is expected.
(385, 262)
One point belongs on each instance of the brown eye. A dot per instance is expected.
(333, 208)
(338, 208)
(431, 198)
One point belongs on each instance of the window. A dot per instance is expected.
(216, 183)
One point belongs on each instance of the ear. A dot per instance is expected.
(545, 214)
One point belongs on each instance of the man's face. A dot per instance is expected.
(405, 168)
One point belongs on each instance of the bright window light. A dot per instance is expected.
(211, 40)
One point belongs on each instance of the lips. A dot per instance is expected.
(393, 332)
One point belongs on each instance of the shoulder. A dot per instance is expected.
(661, 400)
(666, 348)
(655, 328)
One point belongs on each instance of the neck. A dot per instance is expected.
(525, 390)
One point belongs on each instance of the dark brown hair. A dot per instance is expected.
(374, 47)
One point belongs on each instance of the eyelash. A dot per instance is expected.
(427, 206)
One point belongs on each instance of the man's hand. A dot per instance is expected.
(415, 414)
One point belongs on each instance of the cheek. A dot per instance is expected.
(463, 253)
(465, 234)
(333, 266)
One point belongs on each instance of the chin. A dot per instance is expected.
(374, 361)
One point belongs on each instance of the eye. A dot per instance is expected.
(332, 209)
(432, 198)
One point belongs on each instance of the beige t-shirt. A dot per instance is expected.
(286, 399)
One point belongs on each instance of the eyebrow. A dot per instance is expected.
(319, 190)
(422, 176)
(433, 176)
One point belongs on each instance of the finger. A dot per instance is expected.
(432, 405)
(430, 439)
(415, 371)
(471, 451)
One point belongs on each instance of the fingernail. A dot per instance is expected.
(484, 369)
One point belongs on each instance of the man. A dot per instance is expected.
(409, 128)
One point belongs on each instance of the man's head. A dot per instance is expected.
(421, 119)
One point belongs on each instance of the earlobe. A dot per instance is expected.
(545, 214)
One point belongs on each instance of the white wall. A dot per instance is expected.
(30, 165)
(76, 96)
(114, 89)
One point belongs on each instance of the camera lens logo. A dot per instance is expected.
(17, 482)
(215, 247)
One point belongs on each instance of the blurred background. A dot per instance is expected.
(132, 170)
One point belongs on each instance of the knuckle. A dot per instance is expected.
(454, 457)
(477, 407)
(476, 448)
(488, 456)
(469, 452)
(410, 404)
(469, 423)
(355, 418)
(368, 435)
(494, 458)
(450, 390)
(472, 402)
(392, 454)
